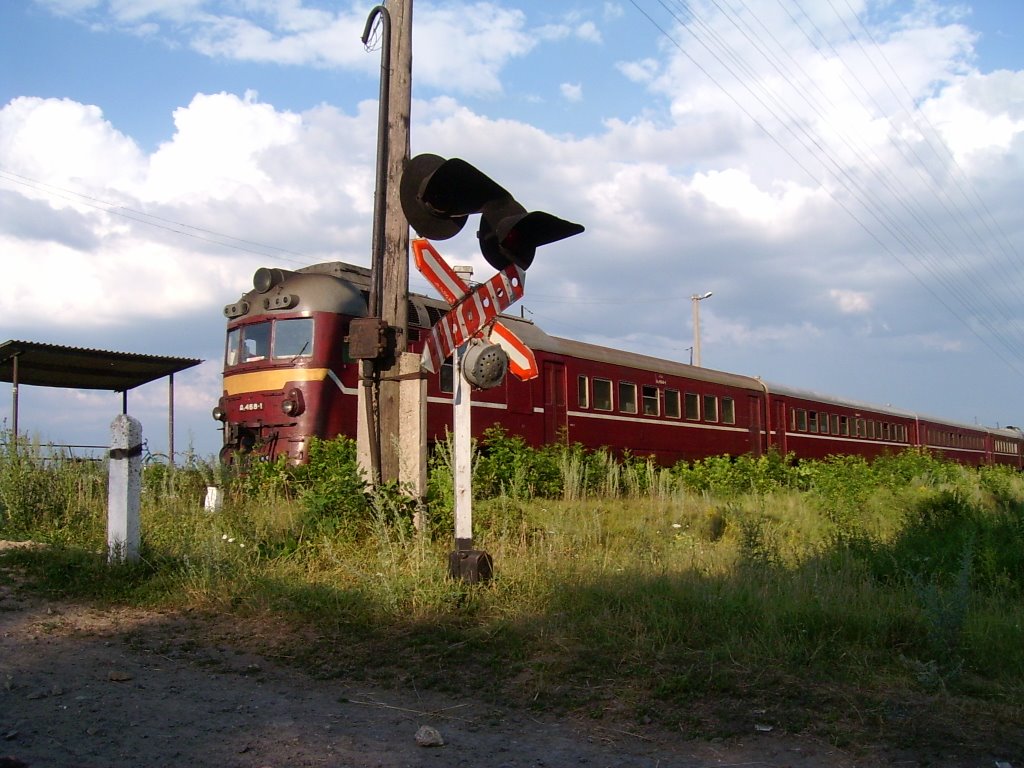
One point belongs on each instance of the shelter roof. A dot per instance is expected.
(51, 365)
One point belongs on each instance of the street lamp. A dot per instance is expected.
(697, 299)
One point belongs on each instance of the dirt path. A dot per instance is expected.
(106, 688)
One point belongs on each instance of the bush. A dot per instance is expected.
(332, 490)
(507, 466)
(728, 476)
(49, 495)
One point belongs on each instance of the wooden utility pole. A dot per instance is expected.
(395, 277)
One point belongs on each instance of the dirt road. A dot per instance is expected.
(96, 688)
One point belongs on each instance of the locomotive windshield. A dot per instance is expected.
(292, 338)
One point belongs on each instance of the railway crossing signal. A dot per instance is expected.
(472, 310)
(482, 364)
(439, 195)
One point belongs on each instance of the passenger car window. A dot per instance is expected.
(602, 395)
(692, 403)
(710, 408)
(728, 411)
(651, 400)
(583, 391)
(672, 409)
(627, 397)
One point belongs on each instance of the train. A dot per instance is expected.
(288, 377)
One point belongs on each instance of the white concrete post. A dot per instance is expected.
(124, 492)
(214, 501)
(363, 459)
(412, 427)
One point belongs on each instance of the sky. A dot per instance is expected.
(844, 176)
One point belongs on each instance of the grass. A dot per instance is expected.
(844, 603)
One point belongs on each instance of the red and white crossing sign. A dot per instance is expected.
(521, 360)
(472, 310)
(433, 267)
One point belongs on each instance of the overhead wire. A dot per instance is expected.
(783, 115)
(904, 197)
(152, 220)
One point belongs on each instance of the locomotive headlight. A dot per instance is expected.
(219, 413)
(293, 404)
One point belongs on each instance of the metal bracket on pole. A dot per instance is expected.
(370, 367)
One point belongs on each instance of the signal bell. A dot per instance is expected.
(484, 365)
(438, 196)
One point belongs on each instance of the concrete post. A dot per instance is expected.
(412, 467)
(124, 492)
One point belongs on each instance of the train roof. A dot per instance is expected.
(538, 339)
(818, 397)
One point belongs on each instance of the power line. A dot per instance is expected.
(969, 293)
(158, 222)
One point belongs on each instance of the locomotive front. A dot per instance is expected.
(286, 373)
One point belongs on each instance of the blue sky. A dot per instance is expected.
(844, 175)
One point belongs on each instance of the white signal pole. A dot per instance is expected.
(697, 299)
(462, 406)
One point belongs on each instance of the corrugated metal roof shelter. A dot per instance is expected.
(51, 365)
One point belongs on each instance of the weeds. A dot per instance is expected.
(615, 579)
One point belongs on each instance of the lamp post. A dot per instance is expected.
(697, 299)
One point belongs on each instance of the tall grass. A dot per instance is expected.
(619, 585)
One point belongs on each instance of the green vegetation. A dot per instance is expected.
(838, 597)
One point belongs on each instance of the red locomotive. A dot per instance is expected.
(288, 377)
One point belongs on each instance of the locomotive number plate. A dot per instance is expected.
(251, 407)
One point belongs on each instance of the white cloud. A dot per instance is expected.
(641, 71)
(121, 235)
(980, 114)
(589, 32)
(850, 302)
(733, 190)
(571, 91)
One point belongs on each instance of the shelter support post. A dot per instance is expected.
(14, 404)
(124, 493)
(170, 420)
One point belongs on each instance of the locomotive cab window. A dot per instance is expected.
(293, 337)
(234, 345)
(627, 397)
(583, 392)
(248, 343)
(602, 395)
